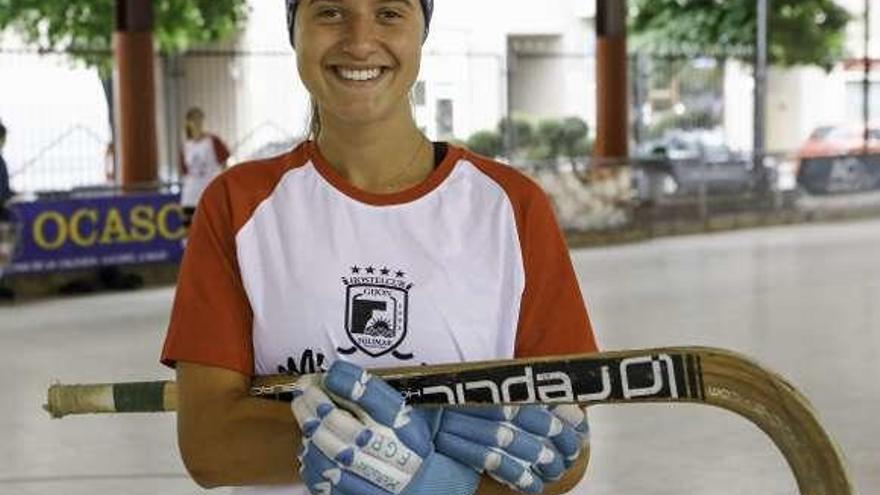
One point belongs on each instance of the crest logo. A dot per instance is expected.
(376, 311)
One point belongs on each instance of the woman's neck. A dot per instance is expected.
(378, 158)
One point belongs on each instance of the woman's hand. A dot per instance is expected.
(523, 448)
(360, 438)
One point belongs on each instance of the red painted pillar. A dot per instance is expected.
(135, 93)
(612, 89)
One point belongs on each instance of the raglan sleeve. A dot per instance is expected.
(181, 163)
(211, 316)
(553, 315)
(221, 151)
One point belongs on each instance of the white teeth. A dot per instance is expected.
(360, 74)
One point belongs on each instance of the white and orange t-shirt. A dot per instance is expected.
(201, 160)
(288, 267)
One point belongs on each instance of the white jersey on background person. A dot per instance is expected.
(289, 268)
(202, 160)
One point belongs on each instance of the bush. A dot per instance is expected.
(525, 133)
(550, 139)
(486, 143)
(575, 137)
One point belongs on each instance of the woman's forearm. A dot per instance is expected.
(250, 442)
(227, 437)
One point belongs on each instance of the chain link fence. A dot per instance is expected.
(690, 129)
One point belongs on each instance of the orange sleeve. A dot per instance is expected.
(220, 150)
(553, 316)
(181, 163)
(211, 319)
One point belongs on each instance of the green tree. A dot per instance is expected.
(802, 32)
(84, 28)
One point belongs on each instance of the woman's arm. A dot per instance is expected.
(571, 478)
(228, 438)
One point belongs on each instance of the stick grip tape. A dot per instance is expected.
(108, 398)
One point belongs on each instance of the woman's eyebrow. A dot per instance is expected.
(405, 2)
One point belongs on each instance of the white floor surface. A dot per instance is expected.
(803, 300)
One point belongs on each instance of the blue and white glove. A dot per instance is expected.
(521, 447)
(359, 438)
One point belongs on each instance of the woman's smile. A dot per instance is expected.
(359, 77)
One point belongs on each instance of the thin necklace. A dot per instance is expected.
(395, 181)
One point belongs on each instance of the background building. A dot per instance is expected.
(483, 62)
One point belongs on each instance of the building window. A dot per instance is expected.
(418, 94)
(445, 129)
(855, 101)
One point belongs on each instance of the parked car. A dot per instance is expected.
(682, 163)
(838, 159)
(840, 140)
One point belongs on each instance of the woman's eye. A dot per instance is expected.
(329, 13)
(389, 15)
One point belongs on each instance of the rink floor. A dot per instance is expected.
(803, 300)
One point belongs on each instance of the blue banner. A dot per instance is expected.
(77, 233)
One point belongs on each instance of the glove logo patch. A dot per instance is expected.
(376, 311)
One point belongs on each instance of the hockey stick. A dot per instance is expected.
(674, 375)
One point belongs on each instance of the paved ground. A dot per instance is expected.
(803, 300)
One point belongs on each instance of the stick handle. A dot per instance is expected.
(109, 398)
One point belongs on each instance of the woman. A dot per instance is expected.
(202, 159)
(369, 244)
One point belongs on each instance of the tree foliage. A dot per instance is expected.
(801, 32)
(84, 28)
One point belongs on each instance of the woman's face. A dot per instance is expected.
(359, 58)
(195, 124)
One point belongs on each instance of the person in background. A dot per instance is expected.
(6, 194)
(202, 158)
(110, 164)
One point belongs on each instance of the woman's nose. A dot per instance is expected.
(361, 37)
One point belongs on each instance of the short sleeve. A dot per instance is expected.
(553, 315)
(220, 150)
(181, 163)
(211, 319)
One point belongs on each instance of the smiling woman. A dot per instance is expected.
(359, 61)
(284, 260)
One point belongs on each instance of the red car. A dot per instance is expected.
(840, 140)
(839, 160)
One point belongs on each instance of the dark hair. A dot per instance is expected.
(2, 131)
(314, 124)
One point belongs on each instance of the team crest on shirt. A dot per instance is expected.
(376, 311)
